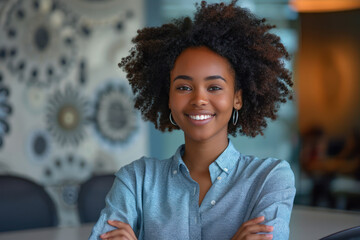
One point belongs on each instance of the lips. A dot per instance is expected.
(200, 116)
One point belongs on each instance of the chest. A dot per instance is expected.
(174, 209)
(204, 181)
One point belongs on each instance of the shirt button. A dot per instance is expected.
(226, 170)
(174, 172)
(219, 178)
(213, 202)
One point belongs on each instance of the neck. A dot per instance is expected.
(199, 155)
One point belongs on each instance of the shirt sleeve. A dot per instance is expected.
(276, 198)
(120, 204)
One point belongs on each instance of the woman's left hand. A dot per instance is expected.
(123, 232)
(249, 230)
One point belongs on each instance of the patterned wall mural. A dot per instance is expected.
(66, 110)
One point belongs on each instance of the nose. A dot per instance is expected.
(199, 98)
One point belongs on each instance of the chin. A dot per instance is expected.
(198, 137)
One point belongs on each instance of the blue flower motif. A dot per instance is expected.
(115, 118)
(40, 41)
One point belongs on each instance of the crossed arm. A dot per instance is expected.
(273, 203)
(248, 231)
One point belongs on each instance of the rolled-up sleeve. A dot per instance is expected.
(275, 199)
(120, 204)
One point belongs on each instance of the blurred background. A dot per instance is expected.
(66, 111)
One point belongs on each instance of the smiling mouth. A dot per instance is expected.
(200, 117)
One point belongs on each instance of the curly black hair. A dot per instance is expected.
(256, 55)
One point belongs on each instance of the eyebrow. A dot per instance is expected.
(212, 77)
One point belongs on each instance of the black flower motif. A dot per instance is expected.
(39, 146)
(5, 110)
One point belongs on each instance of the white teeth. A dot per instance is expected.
(200, 117)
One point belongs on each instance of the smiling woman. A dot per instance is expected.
(219, 74)
(202, 96)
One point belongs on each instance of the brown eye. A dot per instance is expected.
(214, 88)
(183, 88)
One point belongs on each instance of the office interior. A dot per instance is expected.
(66, 111)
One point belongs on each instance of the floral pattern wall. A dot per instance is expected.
(66, 110)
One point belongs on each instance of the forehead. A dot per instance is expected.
(201, 61)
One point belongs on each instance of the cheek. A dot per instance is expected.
(224, 103)
(175, 101)
(171, 99)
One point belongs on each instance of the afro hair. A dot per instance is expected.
(256, 56)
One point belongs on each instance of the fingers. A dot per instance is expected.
(258, 228)
(254, 221)
(251, 232)
(120, 225)
(123, 231)
(119, 234)
(254, 237)
(250, 229)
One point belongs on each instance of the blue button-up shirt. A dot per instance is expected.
(160, 200)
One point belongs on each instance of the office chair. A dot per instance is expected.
(347, 234)
(91, 198)
(24, 204)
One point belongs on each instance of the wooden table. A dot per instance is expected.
(55, 233)
(307, 223)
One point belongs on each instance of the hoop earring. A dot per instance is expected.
(235, 117)
(171, 120)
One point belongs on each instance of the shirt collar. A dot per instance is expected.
(226, 161)
(178, 162)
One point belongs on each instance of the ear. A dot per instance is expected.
(238, 99)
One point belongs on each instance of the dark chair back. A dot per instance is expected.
(91, 198)
(24, 204)
(347, 234)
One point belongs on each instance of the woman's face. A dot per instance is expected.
(202, 94)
